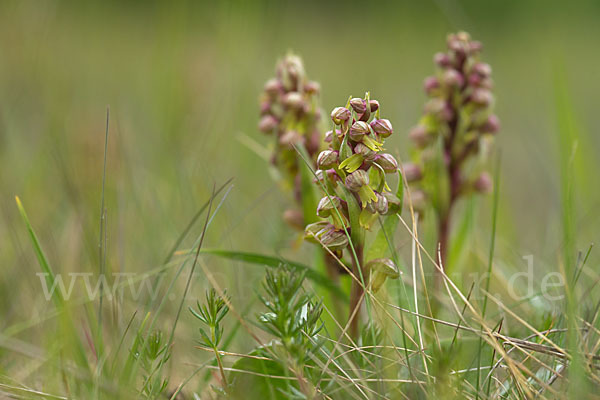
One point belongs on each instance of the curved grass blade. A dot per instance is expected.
(274, 262)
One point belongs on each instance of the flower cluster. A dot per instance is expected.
(289, 110)
(459, 114)
(354, 161)
(456, 130)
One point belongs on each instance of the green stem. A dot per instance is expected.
(220, 364)
(356, 291)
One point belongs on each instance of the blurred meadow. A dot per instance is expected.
(182, 81)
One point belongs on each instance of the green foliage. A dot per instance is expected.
(211, 314)
(292, 317)
(151, 357)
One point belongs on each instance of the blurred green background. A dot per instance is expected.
(182, 81)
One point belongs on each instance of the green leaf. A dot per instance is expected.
(357, 233)
(381, 244)
(42, 260)
(400, 191)
(345, 151)
(274, 262)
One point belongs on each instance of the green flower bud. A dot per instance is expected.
(340, 115)
(365, 152)
(334, 239)
(393, 203)
(357, 180)
(381, 269)
(382, 127)
(380, 206)
(328, 205)
(358, 130)
(314, 231)
(387, 162)
(327, 159)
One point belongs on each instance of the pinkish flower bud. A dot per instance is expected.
(334, 240)
(381, 205)
(482, 69)
(475, 47)
(482, 97)
(312, 87)
(313, 142)
(273, 87)
(292, 137)
(293, 100)
(327, 159)
(340, 115)
(475, 80)
(265, 107)
(453, 78)
(267, 124)
(294, 218)
(486, 84)
(364, 151)
(420, 136)
(412, 172)
(387, 162)
(382, 127)
(358, 130)
(430, 84)
(329, 135)
(439, 108)
(442, 60)
(329, 174)
(483, 183)
(492, 125)
(358, 105)
(373, 105)
(357, 180)
(328, 205)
